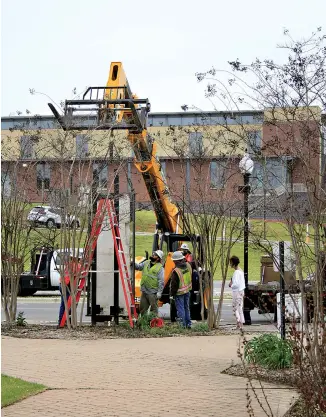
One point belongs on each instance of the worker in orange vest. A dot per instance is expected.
(184, 248)
(72, 269)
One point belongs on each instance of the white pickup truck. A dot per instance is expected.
(44, 274)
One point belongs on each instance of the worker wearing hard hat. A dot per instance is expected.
(180, 288)
(184, 248)
(152, 282)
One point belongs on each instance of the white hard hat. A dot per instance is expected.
(159, 253)
(184, 246)
(177, 256)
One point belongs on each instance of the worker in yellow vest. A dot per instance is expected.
(180, 287)
(152, 282)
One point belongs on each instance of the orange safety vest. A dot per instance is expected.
(185, 279)
(189, 257)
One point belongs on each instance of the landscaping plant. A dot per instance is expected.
(269, 351)
(144, 320)
(21, 320)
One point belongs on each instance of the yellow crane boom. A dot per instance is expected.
(145, 151)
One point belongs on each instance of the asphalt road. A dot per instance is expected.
(42, 310)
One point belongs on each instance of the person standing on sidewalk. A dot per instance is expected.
(152, 282)
(180, 287)
(237, 284)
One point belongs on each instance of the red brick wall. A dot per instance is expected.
(300, 140)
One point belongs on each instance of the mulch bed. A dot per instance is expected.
(277, 376)
(99, 332)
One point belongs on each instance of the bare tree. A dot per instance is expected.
(18, 237)
(70, 171)
(291, 98)
(208, 205)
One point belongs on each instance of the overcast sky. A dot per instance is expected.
(55, 46)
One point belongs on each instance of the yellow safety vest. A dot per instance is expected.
(149, 276)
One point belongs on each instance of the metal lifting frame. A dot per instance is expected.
(98, 110)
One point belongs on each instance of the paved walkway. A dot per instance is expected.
(134, 377)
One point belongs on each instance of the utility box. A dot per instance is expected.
(105, 258)
(268, 274)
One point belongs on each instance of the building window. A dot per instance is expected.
(5, 184)
(254, 142)
(163, 167)
(100, 174)
(81, 146)
(217, 171)
(269, 175)
(26, 147)
(43, 176)
(275, 172)
(257, 178)
(195, 143)
(111, 150)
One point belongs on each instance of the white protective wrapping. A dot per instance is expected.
(105, 258)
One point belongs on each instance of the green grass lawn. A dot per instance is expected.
(145, 222)
(15, 389)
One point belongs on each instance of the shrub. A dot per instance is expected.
(269, 351)
(21, 320)
(200, 327)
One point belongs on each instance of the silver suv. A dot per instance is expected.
(50, 217)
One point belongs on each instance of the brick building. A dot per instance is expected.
(199, 155)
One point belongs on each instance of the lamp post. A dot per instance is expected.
(246, 166)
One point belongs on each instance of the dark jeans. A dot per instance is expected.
(183, 310)
(62, 304)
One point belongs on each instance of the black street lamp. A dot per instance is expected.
(246, 166)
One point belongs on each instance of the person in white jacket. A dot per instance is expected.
(238, 286)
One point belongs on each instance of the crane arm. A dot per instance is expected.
(145, 150)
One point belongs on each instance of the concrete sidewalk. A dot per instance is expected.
(177, 376)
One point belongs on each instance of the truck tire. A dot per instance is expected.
(26, 292)
(173, 312)
(195, 312)
(50, 224)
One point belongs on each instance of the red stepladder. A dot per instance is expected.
(104, 206)
(123, 267)
(87, 256)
